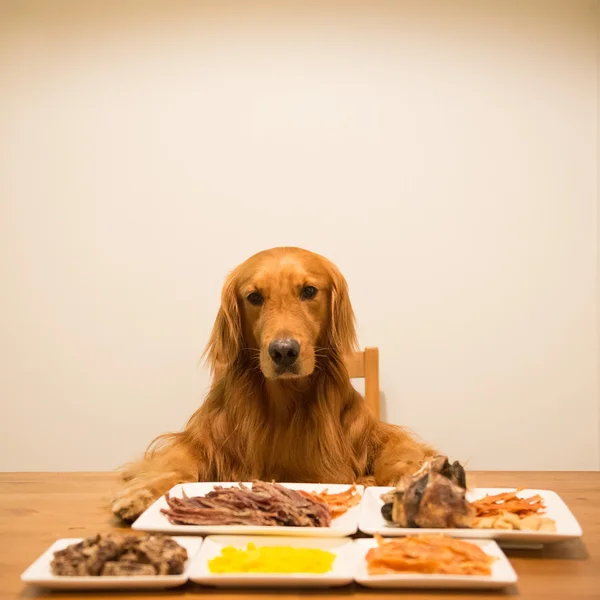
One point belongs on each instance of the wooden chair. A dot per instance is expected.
(366, 364)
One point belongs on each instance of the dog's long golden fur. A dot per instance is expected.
(302, 423)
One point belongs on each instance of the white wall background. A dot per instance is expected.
(445, 155)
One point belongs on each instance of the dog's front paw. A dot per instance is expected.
(132, 502)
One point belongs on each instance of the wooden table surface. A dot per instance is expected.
(38, 508)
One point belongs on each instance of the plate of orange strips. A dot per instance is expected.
(521, 516)
(432, 561)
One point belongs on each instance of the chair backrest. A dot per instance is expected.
(366, 365)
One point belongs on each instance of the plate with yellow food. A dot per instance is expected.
(274, 561)
(437, 499)
(432, 561)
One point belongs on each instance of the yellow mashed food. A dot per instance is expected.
(271, 559)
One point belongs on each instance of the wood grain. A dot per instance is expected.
(37, 508)
(366, 364)
(372, 380)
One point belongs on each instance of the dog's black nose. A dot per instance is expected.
(284, 353)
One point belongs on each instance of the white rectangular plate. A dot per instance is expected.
(371, 521)
(342, 572)
(502, 572)
(153, 520)
(40, 572)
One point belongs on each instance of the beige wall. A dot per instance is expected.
(447, 160)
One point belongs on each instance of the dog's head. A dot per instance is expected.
(286, 307)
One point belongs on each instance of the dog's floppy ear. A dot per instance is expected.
(342, 328)
(225, 341)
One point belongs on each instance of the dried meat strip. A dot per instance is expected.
(267, 504)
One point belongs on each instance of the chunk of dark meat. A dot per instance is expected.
(434, 497)
(454, 472)
(387, 511)
(112, 554)
(443, 504)
(165, 555)
(88, 556)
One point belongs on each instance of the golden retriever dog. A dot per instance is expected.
(281, 406)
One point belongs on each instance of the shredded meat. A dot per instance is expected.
(428, 554)
(262, 504)
(509, 502)
(509, 511)
(338, 503)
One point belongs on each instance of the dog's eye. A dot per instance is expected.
(308, 292)
(255, 298)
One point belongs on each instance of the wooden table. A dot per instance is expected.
(37, 508)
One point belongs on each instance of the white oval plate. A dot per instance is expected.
(371, 521)
(155, 521)
(40, 572)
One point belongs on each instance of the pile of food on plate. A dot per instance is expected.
(435, 498)
(432, 554)
(120, 555)
(263, 504)
(271, 559)
(509, 511)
